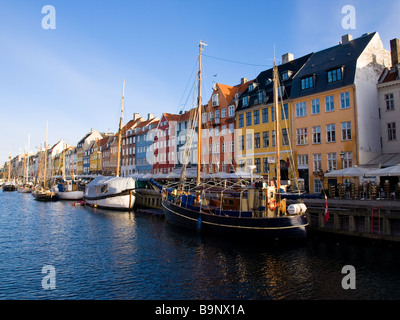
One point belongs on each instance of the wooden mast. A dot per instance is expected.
(277, 129)
(9, 168)
(45, 158)
(199, 112)
(119, 131)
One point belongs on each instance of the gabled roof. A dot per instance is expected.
(264, 83)
(389, 75)
(342, 55)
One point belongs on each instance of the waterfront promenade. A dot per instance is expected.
(376, 219)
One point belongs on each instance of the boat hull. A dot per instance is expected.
(9, 188)
(288, 227)
(70, 195)
(122, 201)
(45, 197)
(25, 190)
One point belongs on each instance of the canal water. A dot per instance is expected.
(60, 251)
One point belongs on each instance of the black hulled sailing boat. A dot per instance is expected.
(254, 211)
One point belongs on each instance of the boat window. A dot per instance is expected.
(104, 188)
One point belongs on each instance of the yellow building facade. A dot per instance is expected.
(324, 135)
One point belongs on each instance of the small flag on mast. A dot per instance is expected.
(326, 214)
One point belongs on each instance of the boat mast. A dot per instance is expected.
(119, 131)
(9, 168)
(277, 129)
(63, 163)
(199, 112)
(45, 158)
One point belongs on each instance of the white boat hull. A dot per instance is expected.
(70, 195)
(120, 202)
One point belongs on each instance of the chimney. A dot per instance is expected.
(347, 38)
(150, 116)
(136, 116)
(287, 57)
(394, 48)
(243, 80)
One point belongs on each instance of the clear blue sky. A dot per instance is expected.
(72, 76)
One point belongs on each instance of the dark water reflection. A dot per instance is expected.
(100, 254)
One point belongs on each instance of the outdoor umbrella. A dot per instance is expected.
(393, 171)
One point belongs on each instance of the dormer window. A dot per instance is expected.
(286, 75)
(215, 100)
(307, 82)
(245, 101)
(335, 75)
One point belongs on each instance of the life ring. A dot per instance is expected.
(272, 204)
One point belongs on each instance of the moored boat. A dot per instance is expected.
(9, 186)
(111, 193)
(41, 194)
(68, 190)
(25, 188)
(255, 210)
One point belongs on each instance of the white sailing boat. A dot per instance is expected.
(112, 192)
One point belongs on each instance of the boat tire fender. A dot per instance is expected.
(272, 204)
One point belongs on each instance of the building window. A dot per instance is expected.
(389, 99)
(265, 139)
(260, 97)
(347, 160)
(257, 163)
(257, 140)
(241, 143)
(330, 133)
(285, 112)
(256, 117)
(315, 106)
(223, 113)
(265, 165)
(231, 146)
(216, 117)
(307, 83)
(335, 75)
(245, 101)
(332, 164)
(301, 137)
(272, 114)
(249, 141)
(248, 118)
(391, 131)
(265, 115)
(231, 128)
(316, 135)
(215, 100)
(302, 160)
(345, 100)
(285, 137)
(231, 111)
(301, 109)
(210, 116)
(317, 186)
(273, 138)
(346, 131)
(317, 159)
(241, 120)
(329, 104)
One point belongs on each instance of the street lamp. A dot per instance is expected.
(252, 168)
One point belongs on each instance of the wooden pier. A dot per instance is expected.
(374, 219)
